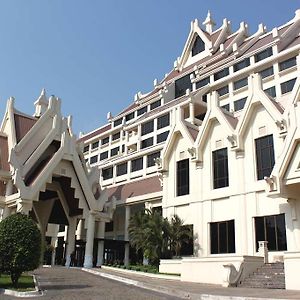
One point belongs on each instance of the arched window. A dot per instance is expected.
(198, 46)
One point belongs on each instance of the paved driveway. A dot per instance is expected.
(61, 283)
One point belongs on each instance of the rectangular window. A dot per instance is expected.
(142, 111)
(104, 155)
(147, 143)
(226, 107)
(266, 73)
(95, 145)
(287, 86)
(94, 159)
(183, 177)
(163, 121)
(109, 226)
(151, 159)
(86, 148)
(155, 104)
(105, 141)
(116, 136)
(204, 98)
(137, 164)
(202, 82)
(287, 64)
(271, 91)
(221, 74)
(114, 151)
(118, 122)
(182, 84)
(239, 104)
(162, 137)
(223, 90)
(241, 65)
(271, 229)
(264, 156)
(220, 168)
(263, 54)
(222, 237)
(240, 83)
(107, 173)
(129, 116)
(147, 127)
(122, 169)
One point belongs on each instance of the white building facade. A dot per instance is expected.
(217, 143)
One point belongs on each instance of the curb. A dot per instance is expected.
(171, 292)
(36, 293)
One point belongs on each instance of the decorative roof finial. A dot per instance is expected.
(41, 104)
(209, 23)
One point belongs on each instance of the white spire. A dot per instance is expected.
(209, 23)
(41, 104)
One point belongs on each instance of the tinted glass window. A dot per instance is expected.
(86, 148)
(223, 91)
(226, 107)
(267, 72)
(202, 82)
(147, 143)
(241, 65)
(118, 122)
(114, 151)
(287, 86)
(182, 84)
(142, 110)
(116, 136)
(147, 127)
(94, 159)
(163, 121)
(220, 168)
(95, 145)
(221, 74)
(107, 173)
(137, 164)
(129, 116)
(122, 169)
(198, 46)
(287, 64)
(162, 137)
(204, 98)
(155, 104)
(151, 158)
(239, 104)
(263, 54)
(105, 141)
(183, 177)
(271, 91)
(103, 155)
(240, 83)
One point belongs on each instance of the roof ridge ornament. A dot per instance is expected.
(209, 23)
(41, 104)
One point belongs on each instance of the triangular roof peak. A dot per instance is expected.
(209, 23)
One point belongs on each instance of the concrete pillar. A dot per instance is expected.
(70, 240)
(88, 258)
(6, 212)
(192, 112)
(100, 253)
(126, 236)
(263, 250)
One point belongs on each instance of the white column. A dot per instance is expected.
(101, 230)
(24, 206)
(70, 240)
(192, 112)
(8, 191)
(126, 236)
(88, 258)
(6, 212)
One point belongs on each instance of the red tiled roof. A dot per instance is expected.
(4, 165)
(23, 124)
(136, 188)
(95, 133)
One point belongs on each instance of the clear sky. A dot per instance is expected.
(96, 54)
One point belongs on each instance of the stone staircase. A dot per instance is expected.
(269, 276)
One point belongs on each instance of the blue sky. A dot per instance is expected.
(95, 54)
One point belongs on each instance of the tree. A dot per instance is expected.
(20, 246)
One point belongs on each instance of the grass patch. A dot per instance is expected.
(25, 283)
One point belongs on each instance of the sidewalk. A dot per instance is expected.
(188, 290)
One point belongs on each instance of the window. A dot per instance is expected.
(114, 151)
(222, 237)
(183, 177)
(263, 54)
(226, 107)
(198, 46)
(137, 164)
(86, 148)
(287, 64)
(241, 65)
(239, 104)
(95, 145)
(202, 82)
(163, 121)
(200, 116)
(118, 122)
(155, 104)
(240, 83)
(266, 73)
(94, 159)
(147, 127)
(122, 169)
(162, 137)
(109, 226)
(271, 229)
(221, 74)
(151, 159)
(204, 98)
(264, 156)
(129, 116)
(105, 141)
(107, 173)
(271, 91)
(142, 110)
(116, 136)
(223, 90)
(103, 155)
(220, 168)
(147, 143)
(182, 84)
(287, 86)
